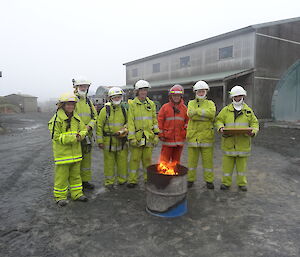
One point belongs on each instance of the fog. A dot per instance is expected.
(44, 44)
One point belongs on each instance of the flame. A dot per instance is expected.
(167, 168)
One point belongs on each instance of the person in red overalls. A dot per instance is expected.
(172, 123)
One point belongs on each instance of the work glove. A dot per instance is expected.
(162, 139)
(155, 140)
(192, 112)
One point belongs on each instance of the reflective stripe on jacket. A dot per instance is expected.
(83, 110)
(200, 130)
(66, 148)
(237, 145)
(172, 125)
(142, 121)
(107, 126)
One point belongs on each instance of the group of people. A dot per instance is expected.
(138, 129)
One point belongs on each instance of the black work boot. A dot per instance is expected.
(243, 188)
(190, 184)
(82, 198)
(224, 187)
(110, 187)
(87, 185)
(210, 185)
(131, 185)
(62, 203)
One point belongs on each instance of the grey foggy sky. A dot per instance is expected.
(44, 44)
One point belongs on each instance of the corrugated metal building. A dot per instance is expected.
(255, 57)
(26, 103)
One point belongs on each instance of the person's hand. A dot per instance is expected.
(221, 130)
(250, 133)
(88, 128)
(155, 140)
(191, 112)
(162, 139)
(78, 137)
(101, 146)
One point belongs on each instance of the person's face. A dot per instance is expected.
(238, 98)
(69, 107)
(83, 87)
(116, 98)
(176, 98)
(201, 92)
(142, 93)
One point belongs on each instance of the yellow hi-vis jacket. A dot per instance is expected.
(200, 129)
(66, 148)
(142, 122)
(86, 111)
(237, 145)
(110, 123)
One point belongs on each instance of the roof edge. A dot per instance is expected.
(214, 38)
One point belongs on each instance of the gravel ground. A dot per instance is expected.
(265, 221)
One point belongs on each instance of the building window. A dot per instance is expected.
(225, 52)
(156, 67)
(185, 62)
(134, 73)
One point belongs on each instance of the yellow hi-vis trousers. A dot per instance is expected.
(207, 162)
(67, 176)
(86, 167)
(228, 163)
(112, 159)
(138, 154)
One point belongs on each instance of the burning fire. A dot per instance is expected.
(167, 168)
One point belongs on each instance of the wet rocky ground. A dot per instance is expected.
(265, 221)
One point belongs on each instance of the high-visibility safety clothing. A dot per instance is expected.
(240, 144)
(67, 176)
(236, 148)
(67, 153)
(88, 114)
(143, 135)
(228, 164)
(172, 123)
(111, 120)
(200, 137)
(171, 154)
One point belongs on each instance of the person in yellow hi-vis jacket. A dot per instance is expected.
(67, 131)
(200, 134)
(88, 115)
(112, 136)
(236, 147)
(143, 132)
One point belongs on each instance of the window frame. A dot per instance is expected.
(156, 67)
(223, 48)
(188, 63)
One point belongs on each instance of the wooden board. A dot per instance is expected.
(235, 131)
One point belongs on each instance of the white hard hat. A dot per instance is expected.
(115, 91)
(142, 84)
(200, 85)
(81, 81)
(237, 90)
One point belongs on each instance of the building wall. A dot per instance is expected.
(204, 59)
(28, 104)
(272, 59)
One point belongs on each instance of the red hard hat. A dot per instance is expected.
(176, 90)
